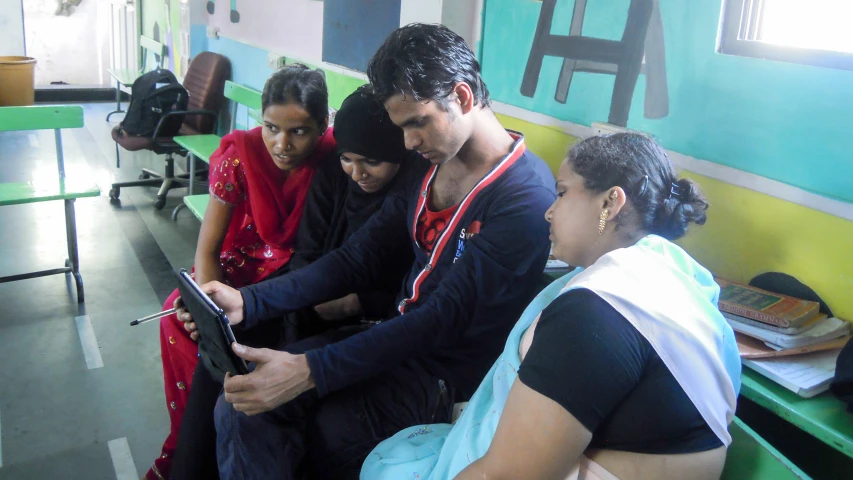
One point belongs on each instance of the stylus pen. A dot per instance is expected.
(154, 317)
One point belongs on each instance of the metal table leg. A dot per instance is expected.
(118, 101)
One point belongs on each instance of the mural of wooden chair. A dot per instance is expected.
(641, 50)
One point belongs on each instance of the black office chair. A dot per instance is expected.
(205, 82)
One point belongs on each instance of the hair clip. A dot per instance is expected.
(643, 185)
(676, 192)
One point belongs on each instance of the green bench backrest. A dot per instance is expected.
(151, 47)
(240, 95)
(751, 457)
(40, 117)
(243, 95)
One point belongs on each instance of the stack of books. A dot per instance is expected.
(784, 338)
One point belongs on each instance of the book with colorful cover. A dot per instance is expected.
(768, 307)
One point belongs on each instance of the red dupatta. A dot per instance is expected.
(277, 197)
(275, 200)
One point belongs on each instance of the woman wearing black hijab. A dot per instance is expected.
(345, 192)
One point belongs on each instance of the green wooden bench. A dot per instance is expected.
(126, 76)
(823, 416)
(49, 118)
(202, 146)
(751, 457)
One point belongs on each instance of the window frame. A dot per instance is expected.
(740, 21)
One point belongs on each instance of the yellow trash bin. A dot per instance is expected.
(17, 79)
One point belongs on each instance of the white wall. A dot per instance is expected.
(71, 49)
(465, 18)
(291, 27)
(11, 28)
(461, 16)
(420, 11)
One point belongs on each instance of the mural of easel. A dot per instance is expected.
(641, 50)
(235, 15)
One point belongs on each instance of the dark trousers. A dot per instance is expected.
(327, 438)
(195, 453)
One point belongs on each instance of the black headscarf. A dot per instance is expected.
(363, 127)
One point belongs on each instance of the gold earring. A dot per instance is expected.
(613, 195)
(602, 221)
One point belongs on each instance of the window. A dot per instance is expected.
(812, 32)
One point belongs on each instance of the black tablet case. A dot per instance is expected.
(213, 346)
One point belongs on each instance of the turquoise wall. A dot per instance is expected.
(248, 63)
(791, 123)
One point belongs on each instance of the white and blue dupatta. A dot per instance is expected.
(665, 294)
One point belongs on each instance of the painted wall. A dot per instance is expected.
(747, 232)
(354, 29)
(162, 20)
(11, 28)
(291, 26)
(295, 28)
(787, 122)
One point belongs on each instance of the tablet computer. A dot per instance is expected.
(215, 334)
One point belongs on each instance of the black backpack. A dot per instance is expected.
(153, 95)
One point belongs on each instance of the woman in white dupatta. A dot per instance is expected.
(622, 369)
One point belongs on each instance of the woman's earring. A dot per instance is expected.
(602, 221)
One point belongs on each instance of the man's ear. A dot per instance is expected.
(464, 97)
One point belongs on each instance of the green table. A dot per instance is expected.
(824, 416)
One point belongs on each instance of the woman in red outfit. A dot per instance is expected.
(258, 183)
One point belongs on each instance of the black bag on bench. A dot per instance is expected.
(153, 95)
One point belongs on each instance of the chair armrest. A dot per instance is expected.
(208, 113)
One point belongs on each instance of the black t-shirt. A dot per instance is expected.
(588, 358)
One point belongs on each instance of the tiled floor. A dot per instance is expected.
(58, 416)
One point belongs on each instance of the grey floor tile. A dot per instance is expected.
(57, 415)
(85, 462)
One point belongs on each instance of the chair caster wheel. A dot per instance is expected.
(144, 176)
(160, 203)
(115, 192)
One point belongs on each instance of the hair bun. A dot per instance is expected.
(684, 205)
